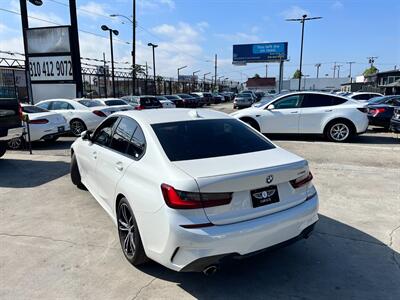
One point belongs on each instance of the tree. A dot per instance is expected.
(371, 70)
(297, 74)
(256, 76)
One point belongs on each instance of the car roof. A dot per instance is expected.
(154, 116)
(365, 93)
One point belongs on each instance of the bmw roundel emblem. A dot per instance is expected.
(270, 178)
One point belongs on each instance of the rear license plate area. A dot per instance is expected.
(265, 196)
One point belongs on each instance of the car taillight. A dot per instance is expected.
(302, 180)
(377, 111)
(190, 200)
(20, 114)
(39, 121)
(363, 109)
(140, 107)
(99, 113)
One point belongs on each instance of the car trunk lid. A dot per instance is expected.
(246, 178)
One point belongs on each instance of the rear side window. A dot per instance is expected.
(61, 105)
(114, 102)
(149, 101)
(45, 105)
(316, 100)
(188, 140)
(137, 144)
(123, 134)
(103, 134)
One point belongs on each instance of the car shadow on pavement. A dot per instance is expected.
(336, 262)
(23, 173)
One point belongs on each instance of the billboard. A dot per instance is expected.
(264, 52)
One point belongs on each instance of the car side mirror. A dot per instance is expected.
(271, 107)
(86, 135)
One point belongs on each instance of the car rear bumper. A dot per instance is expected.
(186, 246)
(384, 122)
(12, 133)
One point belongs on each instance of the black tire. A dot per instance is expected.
(252, 123)
(75, 174)
(129, 236)
(3, 148)
(339, 131)
(77, 127)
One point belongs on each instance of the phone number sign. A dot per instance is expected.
(50, 68)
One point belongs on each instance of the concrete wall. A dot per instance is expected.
(326, 84)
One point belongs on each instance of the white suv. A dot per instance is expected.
(338, 118)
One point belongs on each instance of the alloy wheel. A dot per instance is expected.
(339, 132)
(77, 127)
(15, 143)
(126, 230)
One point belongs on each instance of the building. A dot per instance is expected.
(262, 84)
(315, 84)
(387, 82)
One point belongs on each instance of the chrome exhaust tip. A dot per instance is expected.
(210, 270)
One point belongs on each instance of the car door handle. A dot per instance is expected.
(294, 112)
(328, 110)
(94, 155)
(119, 166)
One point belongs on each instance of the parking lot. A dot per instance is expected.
(58, 243)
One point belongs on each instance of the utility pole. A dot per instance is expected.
(318, 65)
(338, 70)
(350, 63)
(134, 46)
(303, 19)
(371, 60)
(266, 71)
(153, 46)
(334, 69)
(105, 74)
(215, 72)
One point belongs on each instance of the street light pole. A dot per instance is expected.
(204, 80)
(111, 32)
(153, 46)
(178, 76)
(193, 80)
(350, 63)
(303, 19)
(318, 66)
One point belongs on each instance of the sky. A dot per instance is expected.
(191, 32)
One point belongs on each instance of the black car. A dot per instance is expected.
(143, 102)
(395, 122)
(201, 101)
(178, 101)
(217, 98)
(189, 101)
(10, 122)
(381, 109)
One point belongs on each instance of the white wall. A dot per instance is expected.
(44, 91)
(315, 83)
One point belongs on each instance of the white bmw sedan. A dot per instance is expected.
(187, 188)
(337, 118)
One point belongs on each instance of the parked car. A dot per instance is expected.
(226, 97)
(381, 109)
(189, 101)
(200, 99)
(116, 103)
(338, 118)
(43, 125)
(259, 95)
(107, 110)
(395, 121)
(363, 96)
(171, 182)
(10, 122)
(79, 117)
(143, 102)
(217, 98)
(251, 93)
(208, 97)
(243, 100)
(165, 102)
(178, 101)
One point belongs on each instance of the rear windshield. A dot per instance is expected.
(188, 140)
(149, 101)
(91, 103)
(33, 109)
(114, 102)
